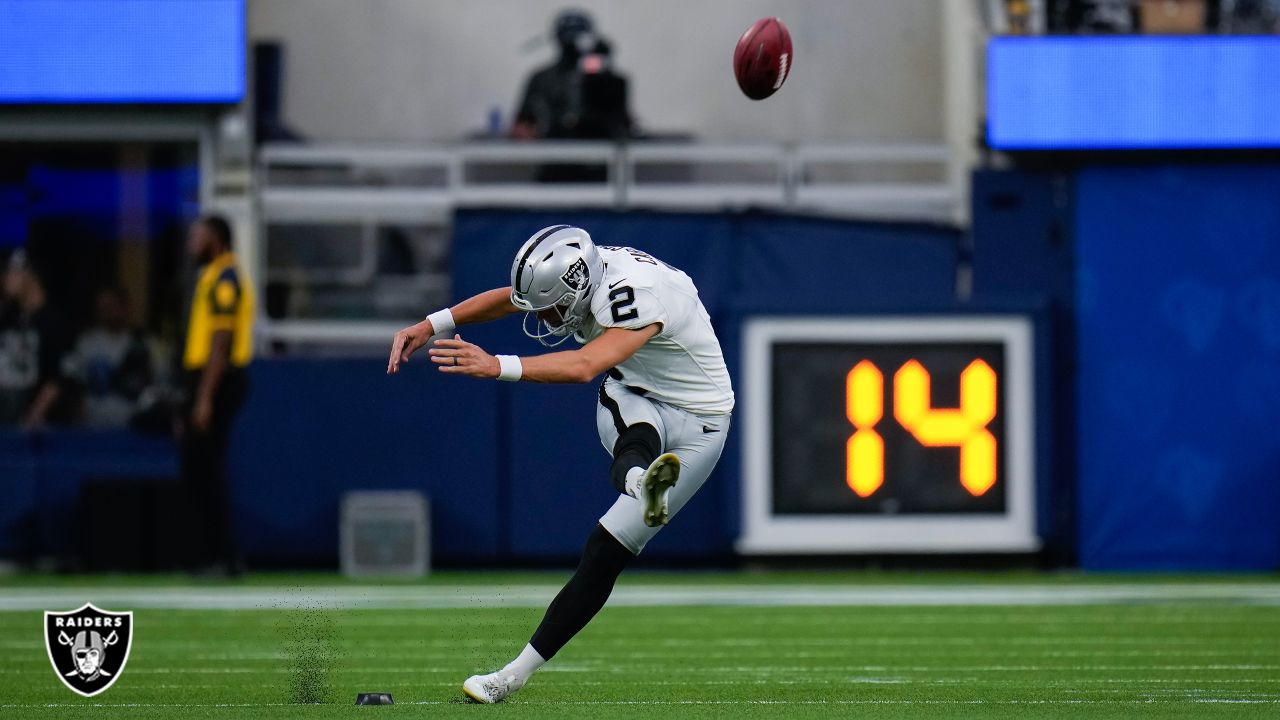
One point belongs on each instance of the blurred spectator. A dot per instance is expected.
(33, 340)
(1233, 17)
(1092, 17)
(268, 94)
(1251, 17)
(111, 362)
(1174, 17)
(579, 96)
(1019, 14)
(218, 348)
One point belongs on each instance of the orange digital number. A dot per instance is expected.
(864, 453)
(964, 427)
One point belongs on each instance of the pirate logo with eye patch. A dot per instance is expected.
(88, 647)
(576, 276)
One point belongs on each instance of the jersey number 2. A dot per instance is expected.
(623, 299)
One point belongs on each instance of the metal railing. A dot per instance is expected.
(372, 186)
(776, 176)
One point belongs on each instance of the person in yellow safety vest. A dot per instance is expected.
(218, 348)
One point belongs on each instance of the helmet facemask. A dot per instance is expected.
(558, 320)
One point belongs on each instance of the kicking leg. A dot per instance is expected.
(638, 445)
(697, 442)
(633, 430)
(603, 560)
(641, 470)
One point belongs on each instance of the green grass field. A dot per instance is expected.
(1170, 654)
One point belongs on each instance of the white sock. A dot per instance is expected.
(524, 665)
(634, 476)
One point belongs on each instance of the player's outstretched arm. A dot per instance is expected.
(459, 357)
(489, 305)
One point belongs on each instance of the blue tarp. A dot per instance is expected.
(1178, 290)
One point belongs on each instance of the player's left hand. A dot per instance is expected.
(459, 357)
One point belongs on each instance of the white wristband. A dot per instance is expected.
(442, 322)
(511, 369)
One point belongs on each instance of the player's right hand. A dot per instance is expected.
(406, 342)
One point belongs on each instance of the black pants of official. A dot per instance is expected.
(204, 474)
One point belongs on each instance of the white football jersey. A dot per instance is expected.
(682, 365)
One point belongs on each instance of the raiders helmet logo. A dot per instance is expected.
(576, 276)
(88, 647)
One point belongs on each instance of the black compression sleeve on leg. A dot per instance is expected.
(637, 446)
(585, 593)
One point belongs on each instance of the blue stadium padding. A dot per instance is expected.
(91, 195)
(559, 471)
(315, 429)
(69, 458)
(785, 263)
(1021, 240)
(1179, 367)
(20, 500)
(1021, 256)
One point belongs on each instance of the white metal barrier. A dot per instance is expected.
(776, 176)
(368, 186)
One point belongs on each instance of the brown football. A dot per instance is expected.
(762, 61)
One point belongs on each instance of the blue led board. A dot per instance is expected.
(122, 51)
(1133, 93)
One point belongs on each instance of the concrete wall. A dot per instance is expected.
(415, 70)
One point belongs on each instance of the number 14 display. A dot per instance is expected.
(964, 427)
(889, 434)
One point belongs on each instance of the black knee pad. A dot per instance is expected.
(637, 446)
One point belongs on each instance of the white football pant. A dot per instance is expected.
(696, 439)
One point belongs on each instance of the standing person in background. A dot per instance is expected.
(577, 97)
(218, 348)
(33, 340)
(111, 361)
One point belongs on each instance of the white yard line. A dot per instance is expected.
(1065, 701)
(799, 670)
(954, 645)
(537, 596)
(413, 658)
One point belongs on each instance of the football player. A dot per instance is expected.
(663, 412)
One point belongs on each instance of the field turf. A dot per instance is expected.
(1175, 657)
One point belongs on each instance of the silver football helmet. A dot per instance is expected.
(552, 279)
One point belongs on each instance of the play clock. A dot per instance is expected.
(888, 434)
